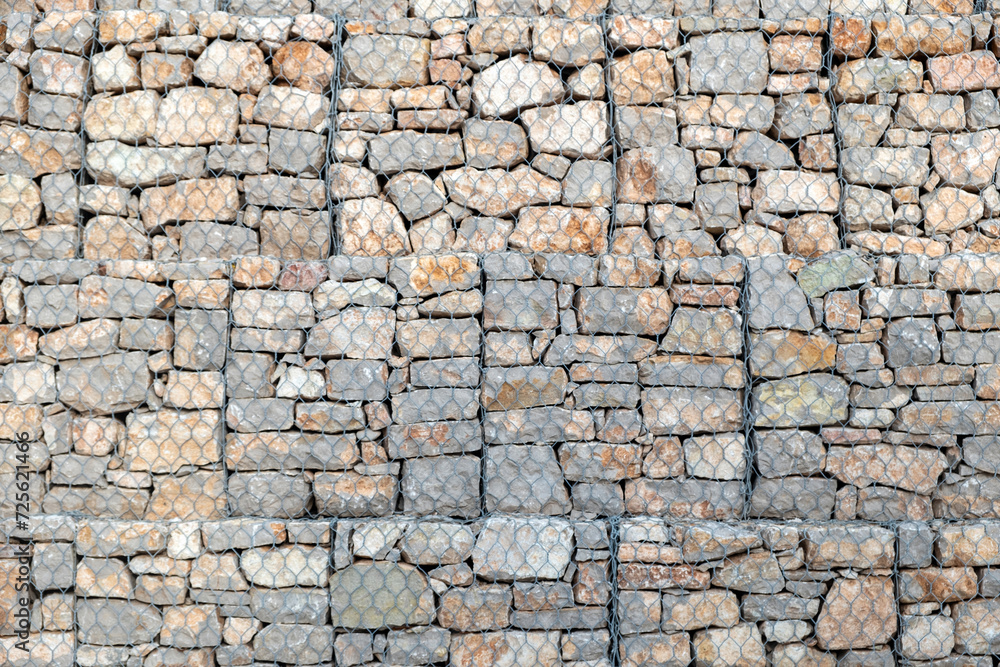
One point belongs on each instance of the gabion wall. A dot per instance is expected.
(500, 333)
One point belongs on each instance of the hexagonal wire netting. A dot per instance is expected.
(598, 333)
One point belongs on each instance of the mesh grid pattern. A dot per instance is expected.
(598, 333)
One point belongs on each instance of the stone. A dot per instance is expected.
(14, 100)
(442, 486)
(238, 66)
(857, 79)
(738, 645)
(304, 65)
(512, 84)
(189, 626)
(374, 595)
(496, 192)
(964, 161)
(356, 333)
(291, 642)
(292, 108)
(476, 608)
(114, 163)
(393, 152)
(522, 549)
(522, 478)
(276, 567)
(20, 202)
(117, 622)
(790, 191)
(840, 623)
(352, 494)
(698, 331)
(386, 61)
(372, 227)
(927, 637)
(291, 605)
(268, 494)
(622, 310)
(103, 385)
(793, 497)
(196, 116)
(200, 495)
(200, 339)
(656, 174)
(58, 73)
(728, 63)
(817, 399)
(506, 648)
(561, 229)
(571, 130)
(493, 143)
(857, 546)
(684, 411)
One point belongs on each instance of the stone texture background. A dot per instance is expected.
(501, 332)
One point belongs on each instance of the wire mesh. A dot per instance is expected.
(605, 333)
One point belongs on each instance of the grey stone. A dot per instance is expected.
(50, 305)
(685, 499)
(290, 605)
(783, 453)
(294, 643)
(295, 152)
(248, 375)
(434, 438)
(116, 622)
(417, 647)
(393, 152)
(421, 405)
(212, 240)
(376, 595)
(913, 342)
(200, 339)
(535, 425)
(775, 300)
(268, 494)
(728, 63)
(53, 566)
(104, 385)
(442, 485)
(793, 498)
(520, 306)
(967, 348)
(386, 61)
(525, 479)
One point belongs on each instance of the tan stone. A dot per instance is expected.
(776, 354)
(900, 36)
(238, 66)
(739, 646)
(130, 117)
(20, 202)
(372, 227)
(168, 440)
(964, 72)
(897, 466)
(851, 36)
(496, 192)
(304, 65)
(124, 26)
(194, 390)
(644, 77)
(857, 613)
(949, 209)
(561, 229)
(196, 116)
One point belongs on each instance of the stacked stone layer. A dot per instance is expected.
(499, 332)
